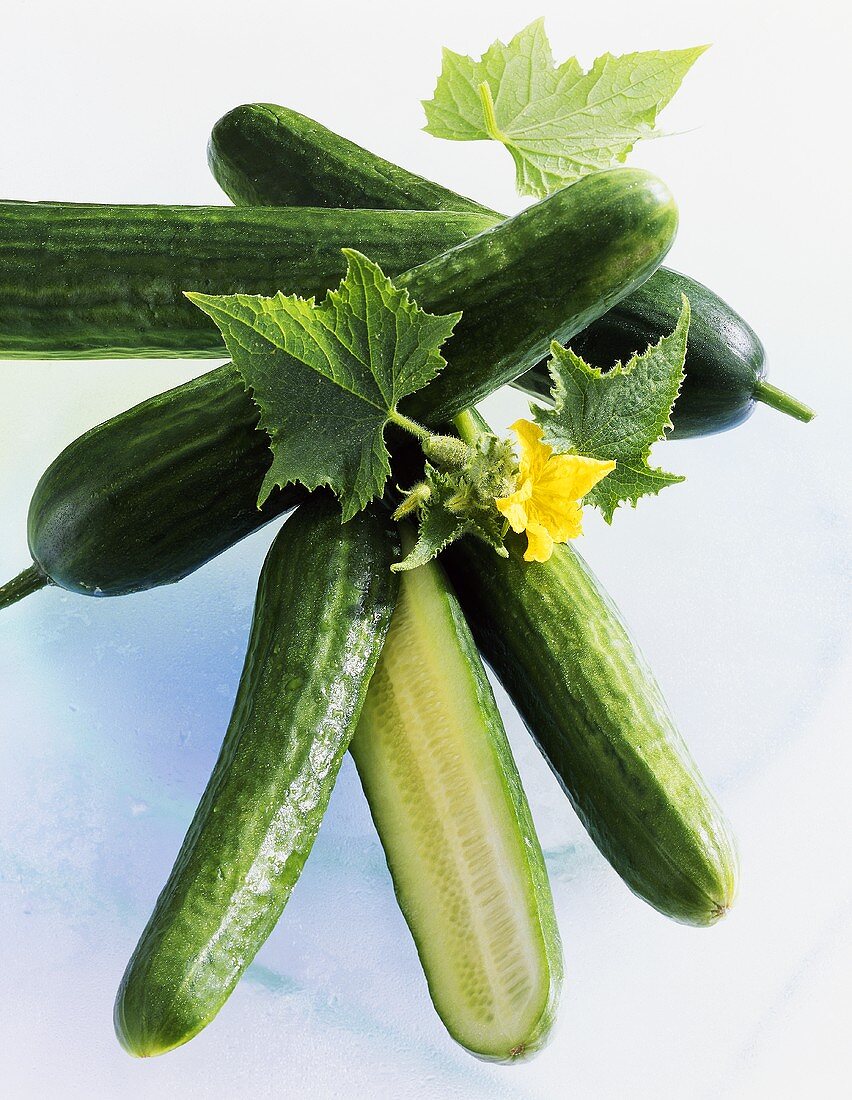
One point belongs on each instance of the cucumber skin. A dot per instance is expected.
(269, 172)
(517, 292)
(562, 652)
(516, 798)
(154, 462)
(262, 153)
(324, 602)
(618, 226)
(152, 494)
(725, 359)
(85, 281)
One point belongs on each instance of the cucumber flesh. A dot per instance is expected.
(448, 804)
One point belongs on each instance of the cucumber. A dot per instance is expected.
(725, 360)
(261, 153)
(265, 155)
(516, 294)
(540, 658)
(563, 654)
(453, 819)
(324, 602)
(154, 493)
(83, 281)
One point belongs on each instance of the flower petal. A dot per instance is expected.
(547, 503)
(539, 543)
(514, 507)
(571, 476)
(533, 453)
(563, 523)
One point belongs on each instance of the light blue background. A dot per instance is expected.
(736, 585)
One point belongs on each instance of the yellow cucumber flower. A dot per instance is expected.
(546, 503)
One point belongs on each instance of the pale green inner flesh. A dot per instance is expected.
(429, 760)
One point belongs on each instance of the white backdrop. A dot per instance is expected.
(735, 585)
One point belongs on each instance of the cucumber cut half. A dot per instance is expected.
(453, 819)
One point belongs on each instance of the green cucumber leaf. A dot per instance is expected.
(617, 414)
(451, 510)
(558, 122)
(327, 377)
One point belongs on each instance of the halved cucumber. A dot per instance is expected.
(453, 819)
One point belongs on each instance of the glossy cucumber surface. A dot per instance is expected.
(263, 153)
(324, 602)
(516, 292)
(453, 819)
(725, 360)
(562, 651)
(168, 457)
(154, 493)
(83, 281)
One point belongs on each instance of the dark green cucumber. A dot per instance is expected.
(262, 153)
(516, 294)
(454, 822)
(563, 654)
(82, 281)
(725, 360)
(324, 602)
(265, 155)
(516, 291)
(154, 493)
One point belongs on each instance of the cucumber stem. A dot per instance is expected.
(409, 425)
(466, 425)
(783, 402)
(30, 580)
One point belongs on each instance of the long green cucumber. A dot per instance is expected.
(616, 227)
(725, 360)
(84, 281)
(152, 494)
(562, 652)
(454, 822)
(324, 602)
(261, 153)
(516, 294)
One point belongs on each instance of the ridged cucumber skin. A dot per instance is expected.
(87, 282)
(324, 602)
(263, 153)
(517, 291)
(166, 452)
(152, 494)
(725, 360)
(397, 762)
(615, 226)
(562, 652)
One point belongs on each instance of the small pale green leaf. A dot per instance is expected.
(617, 414)
(558, 122)
(327, 377)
